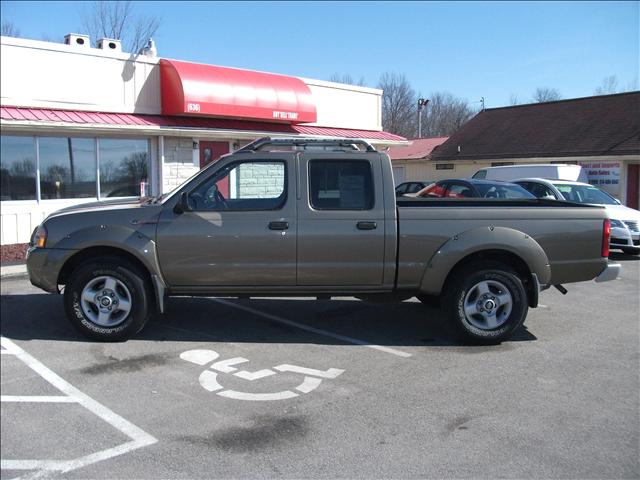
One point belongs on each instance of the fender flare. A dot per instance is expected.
(127, 239)
(480, 239)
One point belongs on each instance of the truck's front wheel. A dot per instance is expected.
(487, 302)
(107, 300)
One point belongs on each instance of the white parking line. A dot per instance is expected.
(139, 437)
(301, 326)
(37, 398)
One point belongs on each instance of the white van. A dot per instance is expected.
(541, 170)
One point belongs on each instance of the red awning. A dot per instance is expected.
(207, 90)
(75, 117)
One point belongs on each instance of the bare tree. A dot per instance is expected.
(609, 85)
(135, 166)
(9, 29)
(348, 79)
(399, 105)
(46, 37)
(117, 20)
(514, 100)
(445, 114)
(546, 94)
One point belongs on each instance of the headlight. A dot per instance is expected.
(39, 237)
(616, 224)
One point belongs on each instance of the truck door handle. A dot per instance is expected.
(367, 225)
(278, 225)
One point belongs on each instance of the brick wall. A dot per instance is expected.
(256, 180)
(178, 162)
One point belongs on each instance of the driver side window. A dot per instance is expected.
(251, 185)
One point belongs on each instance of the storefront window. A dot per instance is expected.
(17, 168)
(67, 167)
(124, 164)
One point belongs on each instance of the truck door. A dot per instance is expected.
(341, 228)
(241, 230)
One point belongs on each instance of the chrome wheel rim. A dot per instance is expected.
(106, 301)
(487, 305)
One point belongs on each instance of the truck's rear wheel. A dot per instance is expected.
(107, 300)
(487, 302)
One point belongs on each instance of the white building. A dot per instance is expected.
(81, 124)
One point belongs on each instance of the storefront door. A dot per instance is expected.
(211, 152)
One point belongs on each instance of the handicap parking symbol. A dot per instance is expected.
(312, 378)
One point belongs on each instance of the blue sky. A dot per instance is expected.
(471, 49)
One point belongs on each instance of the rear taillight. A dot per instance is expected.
(606, 235)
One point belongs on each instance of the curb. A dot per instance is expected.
(13, 270)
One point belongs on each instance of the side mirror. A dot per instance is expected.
(183, 205)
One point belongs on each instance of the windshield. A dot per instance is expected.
(167, 195)
(503, 191)
(584, 194)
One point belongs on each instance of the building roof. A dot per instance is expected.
(75, 117)
(419, 148)
(591, 126)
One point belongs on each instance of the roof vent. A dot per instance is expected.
(77, 40)
(150, 50)
(110, 44)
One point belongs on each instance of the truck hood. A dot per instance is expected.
(103, 205)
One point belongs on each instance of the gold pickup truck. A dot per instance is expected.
(312, 217)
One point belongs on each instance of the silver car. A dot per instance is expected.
(625, 221)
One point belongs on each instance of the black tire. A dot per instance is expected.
(135, 287)
(631, 251)
(463, 294)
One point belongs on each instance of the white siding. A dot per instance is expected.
(54, 75)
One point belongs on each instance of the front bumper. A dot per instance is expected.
(44, 265)
(611, 272)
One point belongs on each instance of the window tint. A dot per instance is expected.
(124, 164)
(250, 185)
(540, 191)
(480, 174)
(340, 185)
(17, 168)
(414, 187)
(503, 191)
(402, 188)
(67, 167)
(432, 191)
(584, 194)
(459, 191)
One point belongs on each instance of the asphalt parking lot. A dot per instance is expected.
(294, 388)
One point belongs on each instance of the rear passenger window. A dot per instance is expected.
(432, 191)
(459, 191)
(340, 185)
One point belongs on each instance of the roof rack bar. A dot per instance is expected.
(304, 141)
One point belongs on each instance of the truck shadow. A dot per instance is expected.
(281, 321)
(623, 257)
